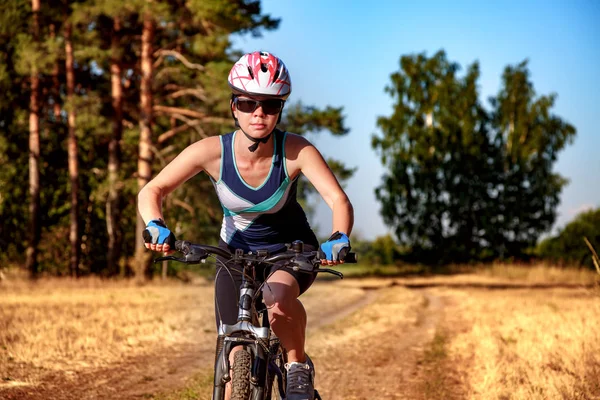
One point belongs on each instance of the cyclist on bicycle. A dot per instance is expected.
(255, 172)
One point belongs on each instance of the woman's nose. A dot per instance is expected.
(259, 111)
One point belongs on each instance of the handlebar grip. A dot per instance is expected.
(350, 258)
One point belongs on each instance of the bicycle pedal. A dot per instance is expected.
(317, 396)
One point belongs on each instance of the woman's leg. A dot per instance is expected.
(286, 313)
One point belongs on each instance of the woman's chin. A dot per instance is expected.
(258, 133)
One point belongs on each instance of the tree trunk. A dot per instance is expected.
(55, 81)
(34, 156)
(74, 238)
(145, 146)
(114, 154)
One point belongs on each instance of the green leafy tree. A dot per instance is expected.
(439, 155)
(529, 138)
(464, 183)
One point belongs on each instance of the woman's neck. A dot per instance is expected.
(264, 150)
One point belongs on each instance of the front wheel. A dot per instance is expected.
(240, 376)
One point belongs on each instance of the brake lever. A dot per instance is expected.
(191, 258)
(301, 263)
(331, 271)
(169, 258)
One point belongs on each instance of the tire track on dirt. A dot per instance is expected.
(385, 364)
(369, 297)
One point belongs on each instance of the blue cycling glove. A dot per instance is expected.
(336, 247)
(156, 232)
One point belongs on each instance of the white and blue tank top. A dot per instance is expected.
(264, 217)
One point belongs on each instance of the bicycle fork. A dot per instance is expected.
(258, 372)
(242, 333)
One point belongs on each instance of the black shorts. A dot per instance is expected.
(228, 282)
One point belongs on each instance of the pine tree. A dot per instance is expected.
(73, 151)
(34, 151)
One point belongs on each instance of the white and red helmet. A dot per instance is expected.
(261, 74)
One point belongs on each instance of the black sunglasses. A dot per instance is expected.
(270, 106)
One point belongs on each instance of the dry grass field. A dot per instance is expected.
(71, 325)
(527, 344)
(504, 332)
(60, 328)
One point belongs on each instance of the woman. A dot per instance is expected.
(255, 172)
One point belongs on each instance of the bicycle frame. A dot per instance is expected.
(254, 337)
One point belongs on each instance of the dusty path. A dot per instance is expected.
(382, 364)
(378, 341)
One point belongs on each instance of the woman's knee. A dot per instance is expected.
(280, 292)
(278, 296)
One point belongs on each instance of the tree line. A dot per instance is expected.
(100, 95)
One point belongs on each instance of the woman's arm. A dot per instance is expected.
(311, 163)
(195, 158)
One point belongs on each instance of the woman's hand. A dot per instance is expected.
(157, 237)
(335, 249)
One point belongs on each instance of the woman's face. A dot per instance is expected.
(257, 116)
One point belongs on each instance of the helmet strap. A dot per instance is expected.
(257, 141)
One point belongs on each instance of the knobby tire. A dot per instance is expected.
(240, 377)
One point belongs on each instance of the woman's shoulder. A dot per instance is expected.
(294, 141)
(206, 143)
(299, 151)
(205, 154)
(205, 150)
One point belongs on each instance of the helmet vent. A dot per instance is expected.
(275, 76)
(264, 67)
(250, 72)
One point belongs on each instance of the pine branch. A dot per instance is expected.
(178, 110)
(188, 207)
(198, 93)
(181, 114)
(191, 124)
(182, 128)
(161, 54)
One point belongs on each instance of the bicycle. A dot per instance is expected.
(259, 367)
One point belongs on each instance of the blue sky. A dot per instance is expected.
(342, 53)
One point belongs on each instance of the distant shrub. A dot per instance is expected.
(568, 246)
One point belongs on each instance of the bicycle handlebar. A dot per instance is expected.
(300, 260)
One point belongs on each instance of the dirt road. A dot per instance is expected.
(372, 347)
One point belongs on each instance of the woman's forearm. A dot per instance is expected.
(343, 215)
(150, 203)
